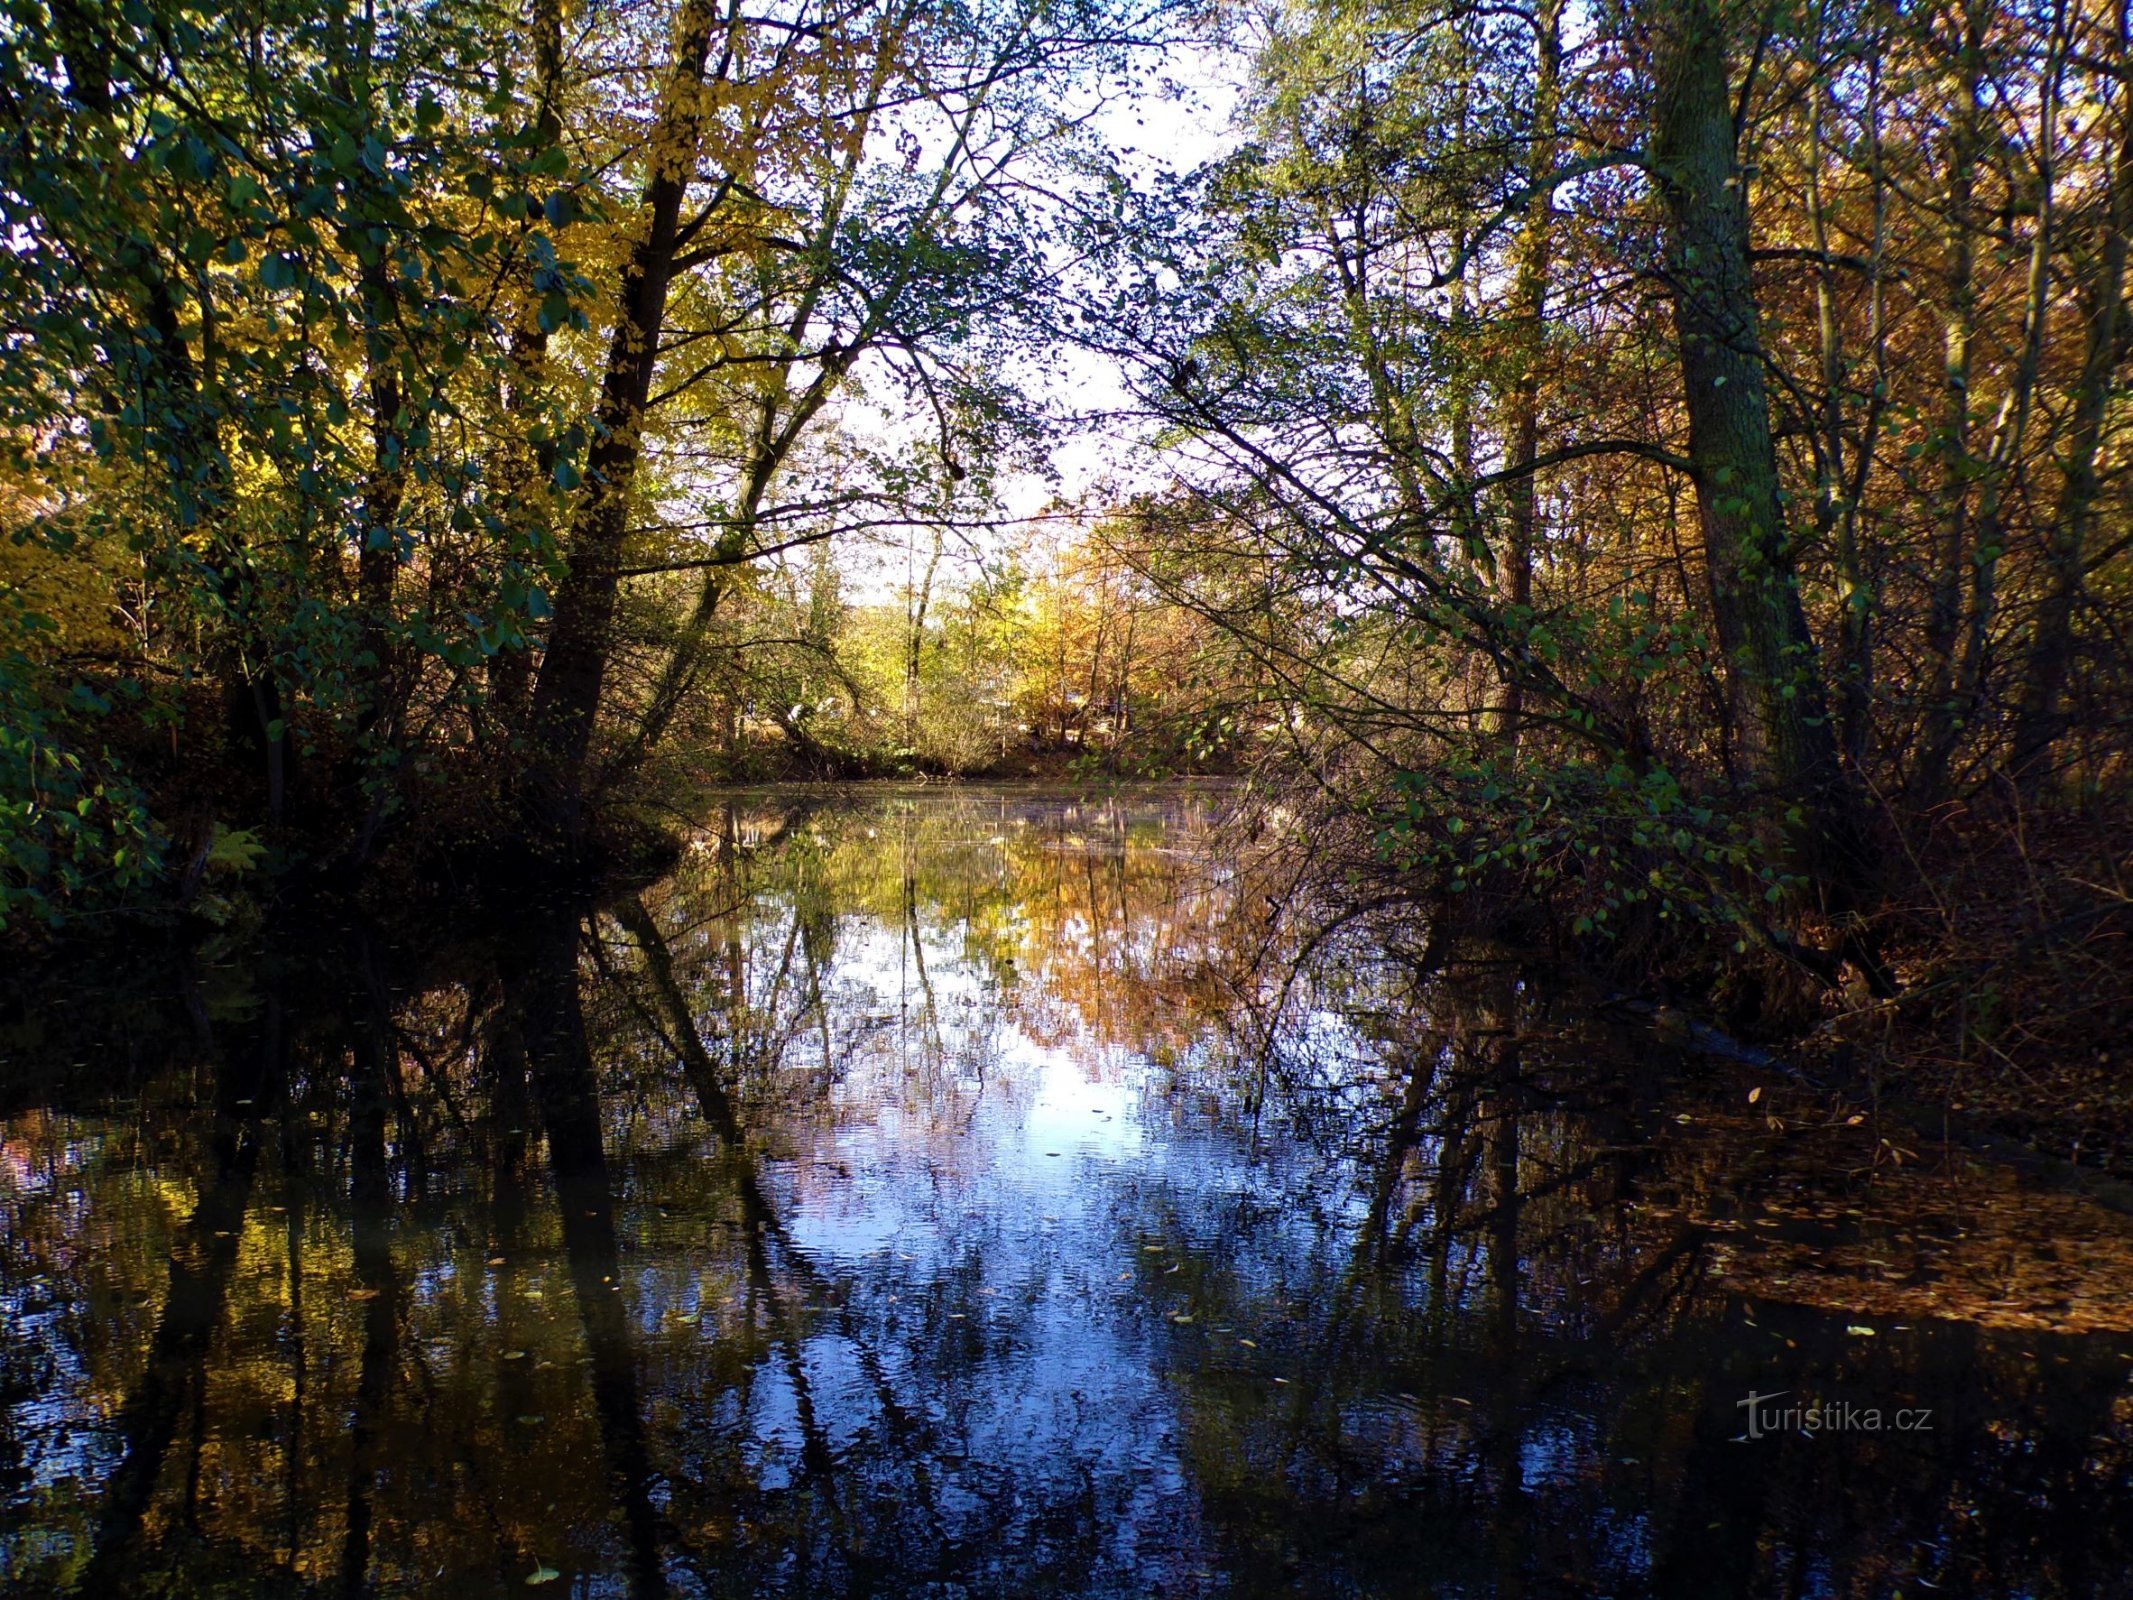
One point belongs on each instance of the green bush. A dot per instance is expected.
(75, 832)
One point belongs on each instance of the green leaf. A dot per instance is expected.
(233, 850)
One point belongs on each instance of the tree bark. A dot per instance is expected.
(1951, 549)
(1779, 703)
(1840, 468)
(567, 697)
(1529, 305)
(526, 468)
(2041, 718)
(378, 561)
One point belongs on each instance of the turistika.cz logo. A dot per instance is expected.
(1810, 1417)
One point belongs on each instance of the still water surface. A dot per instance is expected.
(985, 1193)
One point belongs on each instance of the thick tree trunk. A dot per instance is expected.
(567, 697)
(1779, 704)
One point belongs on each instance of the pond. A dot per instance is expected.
(973, 1191)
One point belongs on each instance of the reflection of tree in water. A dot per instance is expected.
(1531, 1357)
(679, 1249)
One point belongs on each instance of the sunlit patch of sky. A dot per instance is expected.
(1182, 115)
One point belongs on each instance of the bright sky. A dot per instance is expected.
(1163, 133)
(1172, 135)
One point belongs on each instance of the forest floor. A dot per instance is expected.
(2014, 957)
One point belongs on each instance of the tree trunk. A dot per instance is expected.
(1529, 305)
(1779, 704)
(1951, 548)
(378, 562)
(526, 467)
(1840, 470)
(2041, 718)
(917, 602)
(2010, 429)
(567, 698)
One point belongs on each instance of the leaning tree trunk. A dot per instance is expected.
(1778, 701)
(567, 698)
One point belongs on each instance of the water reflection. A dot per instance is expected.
(982, 1194)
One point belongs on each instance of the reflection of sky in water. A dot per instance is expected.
(1055, 1208)
(1023, 1194)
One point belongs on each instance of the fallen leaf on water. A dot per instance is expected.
(1248, 1344)
(1182, 1316)
(1754, 1095)
(1861, 1330)
(496, 1261)
(362, 1294)
(541, 1573)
